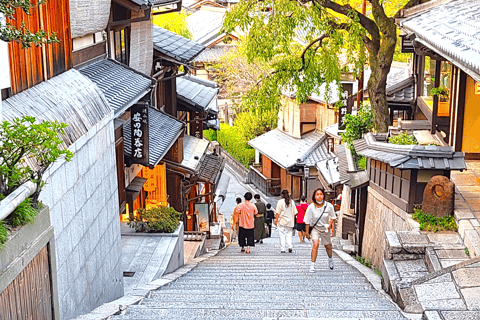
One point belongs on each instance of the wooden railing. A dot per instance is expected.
(268, 186)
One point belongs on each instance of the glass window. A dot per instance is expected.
(122, 45)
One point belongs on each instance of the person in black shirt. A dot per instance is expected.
(270, 215)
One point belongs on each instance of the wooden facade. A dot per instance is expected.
(29, 295)
(31, 66)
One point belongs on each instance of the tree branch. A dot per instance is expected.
(408, 5)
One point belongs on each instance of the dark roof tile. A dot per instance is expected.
(174, 45)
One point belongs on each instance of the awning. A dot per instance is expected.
(211, 168)
(193, 151)
(121, 85)
(196, 94)
(69, 97)
(175, 46)
(347, 172)
(163, 131)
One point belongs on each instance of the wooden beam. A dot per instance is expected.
(438, 65)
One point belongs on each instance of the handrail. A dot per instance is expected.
(15, 198)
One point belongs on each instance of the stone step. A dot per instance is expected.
(201, 314)
(353, 291)
(234, 304)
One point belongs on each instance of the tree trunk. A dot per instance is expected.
(380, 58)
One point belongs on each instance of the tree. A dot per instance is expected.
(26, 38)
(311, 42)
(175, 22)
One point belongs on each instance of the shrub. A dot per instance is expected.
(356, 126)
(3, 234)
(161, 219)
(210, 134)
(23, 214)
(431, 223)
(403, 139)
(362, 163)
(230, 140)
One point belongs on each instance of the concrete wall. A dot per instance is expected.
(83, 199)
(381, 216)
(88, 16)
(141, 47)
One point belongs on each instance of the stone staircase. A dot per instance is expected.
(265, 285)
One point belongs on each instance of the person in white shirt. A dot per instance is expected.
(319, 219)
(285, 219)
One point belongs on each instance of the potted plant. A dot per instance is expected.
(442, 92)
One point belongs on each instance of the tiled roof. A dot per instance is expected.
(211, 168)
(193, 151)
(284, 149)
(214, 53)
(374, 146)
(451, 29)
(198, 93)
(121, 85)
(154, 3)
(402, 91)
(69, 97)
(347, 170)
(174, 45)
(205, 25)
(163, 131)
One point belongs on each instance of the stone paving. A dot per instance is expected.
(266, 284)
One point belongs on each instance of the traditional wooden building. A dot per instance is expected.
(445, 55)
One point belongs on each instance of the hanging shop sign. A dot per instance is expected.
(197, 125)
(477, 87)
(139, 133)
(151, 183)
(347, 104)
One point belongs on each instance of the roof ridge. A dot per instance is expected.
(315, 145)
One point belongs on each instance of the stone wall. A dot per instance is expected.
(88, 17)
(382, 216)
(141, 47)
(83, 199)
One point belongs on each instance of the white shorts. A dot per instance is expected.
(321, 235)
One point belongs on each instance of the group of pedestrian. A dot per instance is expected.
(313, 221)
(252, 221)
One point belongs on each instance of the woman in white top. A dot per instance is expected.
(285, 219)
(320, 216)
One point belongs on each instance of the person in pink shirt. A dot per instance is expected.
(247, 212)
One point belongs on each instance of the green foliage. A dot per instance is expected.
(366, 262)
(23, 214)
(362, 163)
(23, 139)
(232, 141)
(442, 92)
(398, 55)
(403, 139)
(310, 44)
(467, 252)
(356, 126)
(3, 234)
(26, 38)
(157, 220)
(254, 123)
(431, 223)
(210, 134)
(175, 22)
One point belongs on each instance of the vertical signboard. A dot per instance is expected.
(197, 125)
(347, 104)
(201, 209)
(139, 133)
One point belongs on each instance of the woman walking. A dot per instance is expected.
(284, 220)
(234, 218)
(319, 219)
(247, 212)
(301, 208)
(260, 233)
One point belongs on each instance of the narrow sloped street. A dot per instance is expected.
(266, 284)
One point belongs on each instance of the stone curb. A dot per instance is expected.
(120, 305)
(374, 279)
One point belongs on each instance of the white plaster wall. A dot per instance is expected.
(141, 47)
(83, 200)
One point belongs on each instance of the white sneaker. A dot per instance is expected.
(312, 268)
(330, 263)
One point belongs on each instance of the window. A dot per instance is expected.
(121, 45)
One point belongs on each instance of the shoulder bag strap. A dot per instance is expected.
(324, 207)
